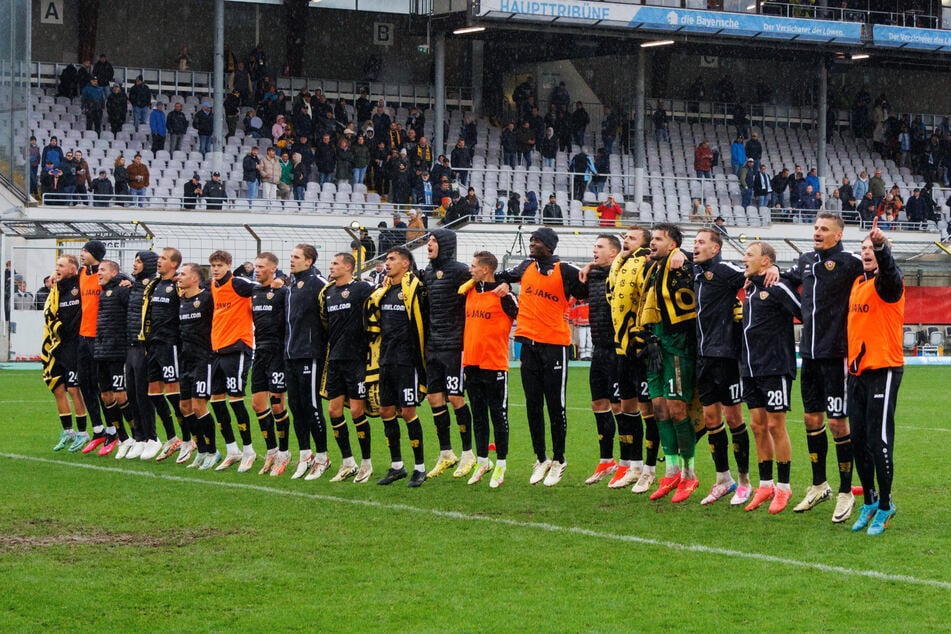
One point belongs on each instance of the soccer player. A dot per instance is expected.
(876, 315)
(304, 350)
(542, 330)
(136, 364)
(196, 312)
(667, 313)
(232, 342)
(443, 277)
(62, 316)
(160, 330)
(110, 353)
(486, 361)
(90, 256)
(826, 275)
(768, 367)
(602, 379)
(625, 281)
(268, 374)
(342, 313)
(716, 283)
(396, 323)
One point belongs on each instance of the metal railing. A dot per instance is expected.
(913, 17)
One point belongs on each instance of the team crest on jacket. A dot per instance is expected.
(300, 284)
(196, 303)
(439, 275)
(75, 291)
(109, 293)
(345, 293)
(763, 295)
(168, 289)
(708, 275)
(400, 295)
(830, 264)
(145, 282)
(270, 295)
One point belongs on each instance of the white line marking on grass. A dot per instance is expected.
(543, 526)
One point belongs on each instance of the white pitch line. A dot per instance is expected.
(543, 526)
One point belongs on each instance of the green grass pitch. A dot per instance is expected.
(92, 544)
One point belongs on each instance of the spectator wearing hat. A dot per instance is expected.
(192, 192)
(214, 192)
(609, 212)
(747, 178)
(204, 122)
(157, 125)
(52, 153)
(138, 180)
(720, 225)
(552, 214)
(141, 98)
(101, 190)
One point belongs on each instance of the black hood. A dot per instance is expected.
(446, 240)
(149, 263)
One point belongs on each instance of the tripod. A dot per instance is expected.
(518, 244)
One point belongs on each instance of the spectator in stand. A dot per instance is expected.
(866, 209)
(42, 293)
(117, 104)
(469, 132)
(549, 148)
(797, 187)
(52, 152)
(241, 83)
(508, 144)
(157, 127)
(579, 124)
(720, 225)
(35, 162)
(401, 184)
(214, 192)
(253, 124)
(83, 177)
(780, 184)
(343, 167)
(138, 180)
(609, 212)
(762, 187)
(737, 155)
(141, 99)
(177, 125)
(583, 169)
(416, 227)
(286, 185)
(471, 206)
(887, 211)
(876, 185)
(917, 210)
(22, 298)
(440, 170)
(747, 180)
(461, 161)
(754, 150)
(49, 183)
(812, 179)
(251, 173)
(661, 123)
(423, 194)
(741, 120)
(846, 195)
(270, 174)
(809, 205)
(204, 123)
(861, 186)
(191, 192)
(560, 97)
(361, 159)
(102, 190)
(530, 208)
(834, 202)
(552, 214)
(525, 143)
(703, 160)
(93, 103)
(67, 180)
(232, 107)
(609, 126)
(415, 121)
(84, 75)
(120, 177)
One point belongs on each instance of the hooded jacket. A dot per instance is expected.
(136, 296)
(111, 340)
(447, 309)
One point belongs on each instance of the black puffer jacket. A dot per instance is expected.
(136, 293)
(111, 342)
(599, 310)
(447, 308)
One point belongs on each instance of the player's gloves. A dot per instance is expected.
(737, 311)
(637, 342)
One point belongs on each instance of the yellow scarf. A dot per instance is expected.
(51, 337)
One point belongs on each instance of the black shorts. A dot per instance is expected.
(602, 378)
(632, 379)
(718, 381)
(347, 378)
(824, 387)
(770, 392)
(195, 381)
(399, 386)
(444, 373)
(229, 372)
(111, 375)
(161, 362)
(267, 372)
(66, 363)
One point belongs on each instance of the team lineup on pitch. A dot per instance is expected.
(681, 341)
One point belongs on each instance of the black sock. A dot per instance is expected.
(782, 472)
(223, 416)
(442, 422)
(391, 430)
(818, 444)
(625, 435)
(174, 399)
(266, 423)
(319, 430)
(362, 427)
(190, 423)
(651, 441)
(342, 435)
(66, 420)
(605, 423)
(164, 413)
(464, 424)
(81, 423)
(719, 448)
(843, 454)
(282, 424)
(766, 470)
(243, 420)
(128, 413)
(741, 448)
(415, 432)
(206, 427)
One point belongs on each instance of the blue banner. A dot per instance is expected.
(897, 36)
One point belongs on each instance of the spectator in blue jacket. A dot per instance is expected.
(157, 126)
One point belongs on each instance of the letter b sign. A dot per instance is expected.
(383, 33)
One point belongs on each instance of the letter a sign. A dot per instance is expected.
(51, 12)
